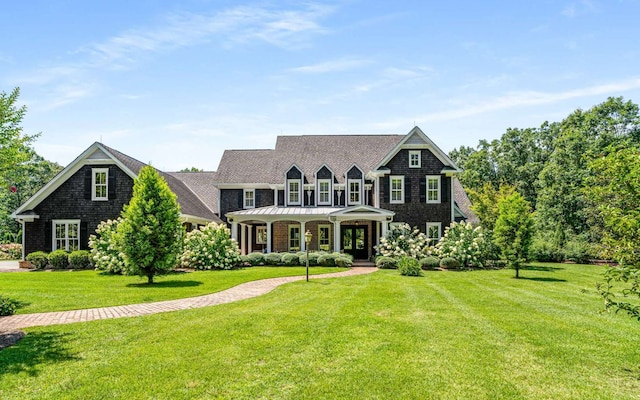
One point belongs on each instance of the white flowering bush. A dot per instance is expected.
(210, 247)
(464, 243)
(105, 254)
(402, 241)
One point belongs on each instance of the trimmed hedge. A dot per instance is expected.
(39, 259)
(59, 259)
(430, 262)
(449, 263)
(80, 259)
(386, 262)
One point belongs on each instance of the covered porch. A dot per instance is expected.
(354, 230)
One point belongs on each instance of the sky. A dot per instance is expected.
(175, 83)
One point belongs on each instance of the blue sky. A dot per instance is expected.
(175, 83)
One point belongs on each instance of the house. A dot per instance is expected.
(347, 190)
(94, 188)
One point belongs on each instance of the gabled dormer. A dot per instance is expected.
(324, 183)
(354, 185)
(293, 186)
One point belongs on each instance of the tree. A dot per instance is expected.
(514, 230)
(14, 145)
(150, 234)
(192, 169)
(485, 203)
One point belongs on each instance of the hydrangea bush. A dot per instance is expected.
(210, 247)
(464, 243)
(401, 241)
(104, 251)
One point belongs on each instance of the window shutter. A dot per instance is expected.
(423, 190)
(47, 236)
(385, 189)
(444, 189)
(112, 183)
(407, 189)
(256, 199)
(87, 184)
(240, 198)
(84, 237)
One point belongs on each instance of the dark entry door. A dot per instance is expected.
(354, 241)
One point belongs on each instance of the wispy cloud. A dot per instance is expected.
(579, 7)
(339, 65)
(286, 28)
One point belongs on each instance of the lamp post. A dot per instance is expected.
(307, 241)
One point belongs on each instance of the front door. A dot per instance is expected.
(354, 241)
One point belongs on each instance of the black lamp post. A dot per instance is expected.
(307, 241)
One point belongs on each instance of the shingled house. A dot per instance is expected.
(346, 190)
(94, 188)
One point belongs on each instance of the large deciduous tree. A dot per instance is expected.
(514, 230)
(150, 234)
(14, 145)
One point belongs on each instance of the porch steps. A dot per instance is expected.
(363, 263)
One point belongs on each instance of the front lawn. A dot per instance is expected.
(40, 291)
(446, 335)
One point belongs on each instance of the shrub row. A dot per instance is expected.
(316, 258)
(60, 259)
(430, 262)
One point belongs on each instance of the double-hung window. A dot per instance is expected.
(294, 237)
(433, 188)
(324, 192)
(433, 232)
(354, 191)
(99, 184)
(249, 198)
(66, 235)
(396, 186)
(294, 192)
(414, 159)
(323, 237)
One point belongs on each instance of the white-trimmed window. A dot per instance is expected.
(66, 234)
(415, 159)
(293, 189)
(100, 184)
(433, 232)
(294, 237)
(354, 191)
(433, 188)
(261, 235)
(324, 232)
(324, 192)
(249, 198)
(396, 188)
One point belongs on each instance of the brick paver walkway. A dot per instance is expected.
(240, 292)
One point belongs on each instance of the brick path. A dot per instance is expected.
(240, 292)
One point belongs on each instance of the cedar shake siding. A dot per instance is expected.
(415, 211)
(72, 200)
(230, 200)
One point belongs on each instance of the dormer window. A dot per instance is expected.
(354, 191)
(414, 159)
(249, 198)
(99, 184)
(324, 192)
(294, 192)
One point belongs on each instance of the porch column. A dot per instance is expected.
(250, 238)
(243, 249)
(268, 237)
(336, 235)
(234, 230)
(385, 226)
(303, 245)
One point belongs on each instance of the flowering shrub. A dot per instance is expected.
(10, 251)
(104, 251)
(464, 243)
(403, 241)
(210, 247)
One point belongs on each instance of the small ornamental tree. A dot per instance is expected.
(210, 247)
(401, 240)
(150, 234)
(105, 253)
(464, 243)
(514, 230)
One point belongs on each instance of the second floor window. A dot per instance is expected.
(397, 189)
(433, 189)
(294, 192)
(99, 182)
(414, 159)
(324, 192)
(354, 192)
(249, 198)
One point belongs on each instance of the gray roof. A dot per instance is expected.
(309, 153)
(463, 202)
(201, 183)
(190, 203)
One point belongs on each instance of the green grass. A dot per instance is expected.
(446, 335)
(41, 291)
